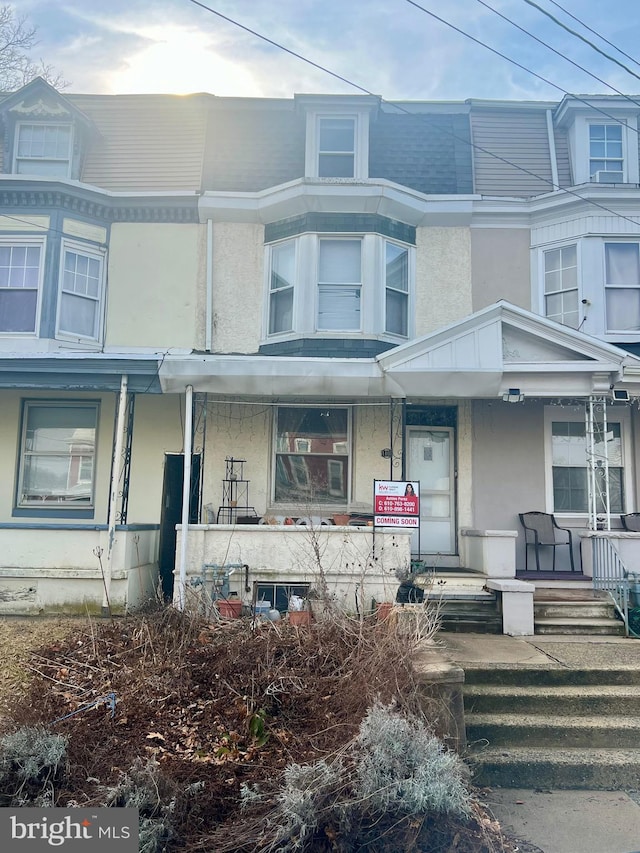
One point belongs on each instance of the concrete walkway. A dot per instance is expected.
(557, 821)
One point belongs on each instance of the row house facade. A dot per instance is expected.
(219, 316)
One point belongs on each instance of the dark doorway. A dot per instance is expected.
(172, 513)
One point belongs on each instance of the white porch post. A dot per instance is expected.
(186, 494)
(116, 467)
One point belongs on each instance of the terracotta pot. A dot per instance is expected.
(341, 519)
(384, 609)
(300, 617)
(229, 608)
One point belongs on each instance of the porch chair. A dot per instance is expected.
(631, 522)
(541, 531)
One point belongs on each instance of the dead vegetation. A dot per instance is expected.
(217, 731)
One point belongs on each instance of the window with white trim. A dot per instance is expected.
(281, 287)
(21, 264)
(80, 293)
(336, 146)
(43, 148)
(57, 455)
(339, 284)
(311, 460)
(568, 461)
(396, 288)
(622, 286)
(606, 159)
(561, 301)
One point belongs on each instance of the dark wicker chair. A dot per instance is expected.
(631, 522)
(541, 530)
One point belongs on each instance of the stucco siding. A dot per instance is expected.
(501, 266)
(443, 277)
(238, 287)
(155, 281)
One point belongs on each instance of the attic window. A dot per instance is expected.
(43, 149)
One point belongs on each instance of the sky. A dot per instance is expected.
(389, 47)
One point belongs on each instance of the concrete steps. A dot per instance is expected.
(553, 728)
(592, 615)
(477, 614)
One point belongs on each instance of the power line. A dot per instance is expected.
(518, 64)
(582, 38)
(449, 133)
(557, 52)
(595, 32)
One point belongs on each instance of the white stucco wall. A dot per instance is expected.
(443, 277)
(156, 285)
(238, 287)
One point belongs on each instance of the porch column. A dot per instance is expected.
(186, 494)
(113, 495)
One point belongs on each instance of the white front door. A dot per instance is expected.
(430, 460)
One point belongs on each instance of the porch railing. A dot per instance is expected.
(611, 574)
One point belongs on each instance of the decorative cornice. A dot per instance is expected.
(40, 110)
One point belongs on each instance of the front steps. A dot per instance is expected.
(462, 603)
(575, 612)
(553, 728)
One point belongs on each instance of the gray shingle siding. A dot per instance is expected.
(430, 153)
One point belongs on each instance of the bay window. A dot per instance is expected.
(20, 283)
(281, 287)
(80, 293)
(396, 288)
(311, 462)
(561, 286)
(622, 287)
(57, 455)
(339, 284)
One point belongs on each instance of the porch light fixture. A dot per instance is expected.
(513, 395)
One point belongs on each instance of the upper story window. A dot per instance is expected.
(606, 159)
(339, 285)
(351, 285)
(561, 285)
(43, 149)
(80, 293)
(336, 147)
(21, 262)
(622, 286)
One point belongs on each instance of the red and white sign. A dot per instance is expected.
(396, 503)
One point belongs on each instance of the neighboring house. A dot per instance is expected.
(332, 290)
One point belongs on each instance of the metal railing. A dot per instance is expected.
(611, 574)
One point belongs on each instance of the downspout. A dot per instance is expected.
(113, 496)
(186, 495)
(208, 330)
(552, 150)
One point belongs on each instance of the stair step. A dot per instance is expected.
(559, 700)
(531, 767)
(540, 676)
(467, 625)
(612, 627)
(573, 609)
(554, 731)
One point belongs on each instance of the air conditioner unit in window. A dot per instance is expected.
(603, 177)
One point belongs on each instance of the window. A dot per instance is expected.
(336, 147)
(282, 278)
(397, 289)
(80, 295)
(622, 287)
(605, 152)
(570, 465)
(57, 459)
(561, 286)
(311, 456)
(20, 280)
(43, 149)
(278, 594)
(339, 284)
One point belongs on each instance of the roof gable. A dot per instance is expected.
(39, 101)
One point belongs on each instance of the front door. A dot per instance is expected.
(430, 460)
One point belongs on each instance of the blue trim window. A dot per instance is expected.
(20, 283)
(80, 293)
(57, 455)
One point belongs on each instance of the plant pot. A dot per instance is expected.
(300, 617)
(229, 608)
(383, 609)
(341, 519)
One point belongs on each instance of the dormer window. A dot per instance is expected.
(336, 147)
(43, 148)
(606, 160)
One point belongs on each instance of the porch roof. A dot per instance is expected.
(480, 356)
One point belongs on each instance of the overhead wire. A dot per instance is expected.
(582, 38)
(557, 52)
(395, 105)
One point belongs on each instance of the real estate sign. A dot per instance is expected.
(396, 503)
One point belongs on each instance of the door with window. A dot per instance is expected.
(430, 460)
